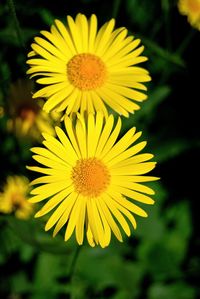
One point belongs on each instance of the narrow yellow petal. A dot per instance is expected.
(105, 134)
(91, 221)
(126, 213)
(117, 214)
(90, 237)
(58, 97)
(73, 218)
(106, 96)
(52, 49)
(82, 24)
(75, 34)
(135, 169)
(120, 146)
(70, 131)
(81, 221)
(113, 160)
(52, 89)
(58, 41)
(94, 131)
(116, 45)
(111, 139)
(133, 194)
(107, 230)
(43, 170)
(81, 138)
(56, 148)
(98, 103)
(66, 36)
(110, 219)
(92, 33)
(123, 182)
(51, 189)
(125, 50)
(98, 222)
(47, 154)
(72, 155)
(44, 53)
(49, 163)
(67, 213)
(127, 204)
(127, 92)
(103, 37)
(54, 201)
(57, 214)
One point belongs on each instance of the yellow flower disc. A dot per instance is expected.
(90, 177)
(86, 71)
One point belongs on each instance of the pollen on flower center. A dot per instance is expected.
(90, 177)
(194, 6)
(86, 71)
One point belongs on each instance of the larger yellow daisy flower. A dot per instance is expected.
(88, 177)
(191, 8)
(84, 69)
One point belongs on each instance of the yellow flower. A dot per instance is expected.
(88, 176)
(26, 118)
(84, 69)
(14, 197)
(191, 8)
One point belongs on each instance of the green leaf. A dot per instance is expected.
(171, 291)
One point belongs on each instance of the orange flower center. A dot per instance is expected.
(17, 200)
(90, 177)
(28, 114)
(194, 6)
(86, 71)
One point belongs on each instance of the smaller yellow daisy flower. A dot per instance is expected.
(91, 181)
(26, 118)
(86, 69)
(13, 198)
(191, 8)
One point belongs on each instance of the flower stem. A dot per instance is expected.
(16, 22)
(116, 6)
(73, 263)
(186, 42)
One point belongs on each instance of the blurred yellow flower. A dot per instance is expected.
(84, 68)
(13, 198)
(26, 118)
(191, 8)
(92, 181)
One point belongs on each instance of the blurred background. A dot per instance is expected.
(161, 259)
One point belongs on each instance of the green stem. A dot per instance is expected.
(186, 42)
(73, 263)
(116, 6)
(167, 22)
(16, 22)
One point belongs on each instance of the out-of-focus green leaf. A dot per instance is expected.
(171, 291)
(169, 250)
(163, 53)
(9, 37)
(146, 114)
(139, 11)
(32, 233)
(20, 283)
(110, 273)
(171, 148)
(46, 16)
(46, 271)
